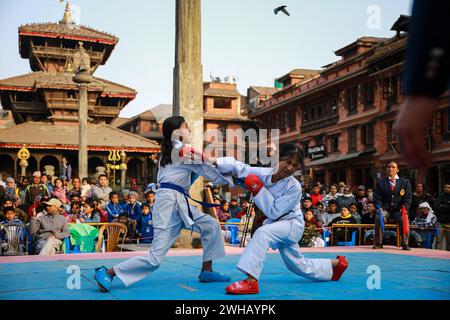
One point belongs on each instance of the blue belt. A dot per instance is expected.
(167, 185)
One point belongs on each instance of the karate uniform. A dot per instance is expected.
(282, 229)
(170, 215)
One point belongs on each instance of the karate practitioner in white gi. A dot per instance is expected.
(171, 213)
(277, 195)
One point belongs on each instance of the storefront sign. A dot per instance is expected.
(317, 152)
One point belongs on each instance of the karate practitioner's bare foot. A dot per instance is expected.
(207, 266)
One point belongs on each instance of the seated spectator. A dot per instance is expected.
(419, 196)
(315, 195)
(133, 209)
(425, 222)
(150, 198)
(12, 192)
(309, 222)
(102, 213)
(361, 200)
(442, 211)
(60, 192)
(369, 217)
(345, 217)
(113, 208)
(75, 213)
(124, 201)
(353, 208)
(145, 225)
(49, 229)
(329, 215)
(46, 180)
(369, 193)
(76, 189)
(62, 211)
(307, 204)
(90, 213)
(130, 224)
(320, 209)
(346, 199)
(234, 207)
(20, 214)
(11, 218)
(74, 197)
(223, 212)
(333, 195)
(101, 190)
(86, 189)
(216, 193)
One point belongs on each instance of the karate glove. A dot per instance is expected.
(253, 184)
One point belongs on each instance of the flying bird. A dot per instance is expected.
(282, 9)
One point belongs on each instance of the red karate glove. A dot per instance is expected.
(253, 183)
(193, 154)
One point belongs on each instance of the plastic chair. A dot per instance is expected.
(352, 242)
(428, 238)
(326, 237)
(115, 231)
(69, 248)
(234, 229)
(14, 244)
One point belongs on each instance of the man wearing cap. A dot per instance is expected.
(49, 229)
(35, 190)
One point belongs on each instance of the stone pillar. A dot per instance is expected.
(188, 74)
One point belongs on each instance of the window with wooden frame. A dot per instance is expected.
(369, 95)
(352, 146)
(367, 134)
(334, 143)
(351, 100)
(292, 120)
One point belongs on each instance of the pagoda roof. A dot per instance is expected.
(67, 31)
(59, 80)
(47, 135)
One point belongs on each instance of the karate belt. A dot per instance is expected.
(167, 185)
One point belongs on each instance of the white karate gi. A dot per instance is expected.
(275, 200)
(170, 215)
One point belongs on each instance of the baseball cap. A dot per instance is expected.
(53, 202)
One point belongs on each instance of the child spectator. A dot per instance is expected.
(12, 192)
(75, 213)
(60, 192)
(145, 225)
(123, 219)
(369, 217)
(353, 208)
(11, 218)
(113, 208)
(309, 222)
(234, 208)
(102, 213)
(149, 198)
(223, 212)
(315, 195)
(86, 189)
(344, 218)
(331, 214)
(124, 201)
(20, 214)
(134, 207)
(90, 213)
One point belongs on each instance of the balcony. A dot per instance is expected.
(63, 52)
(320, 123)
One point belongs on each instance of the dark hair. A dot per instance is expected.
(168, 127)
(113, 193)
(102, 175)
(396, 163)
(73, 195)
(331, 202)
(320, 204)
(352, 204)
(7, 209)
(85, 179)
(370, 202)
(310, 210)
(75, 203)
(292, 149)
(54, 182)
(74, 178)
(145, 205)
(307, 198)
(149, 192)
(90, 203)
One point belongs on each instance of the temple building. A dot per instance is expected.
(343, 115)
(44, 104)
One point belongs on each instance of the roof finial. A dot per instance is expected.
(67, 18)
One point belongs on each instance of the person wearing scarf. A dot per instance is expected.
(426, 221)
(60, 192)
(345, 217)
(11, 191)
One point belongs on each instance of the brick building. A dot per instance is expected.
(343, 116)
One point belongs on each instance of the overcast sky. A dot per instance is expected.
(243, 38)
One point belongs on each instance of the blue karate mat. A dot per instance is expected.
(402, 277)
